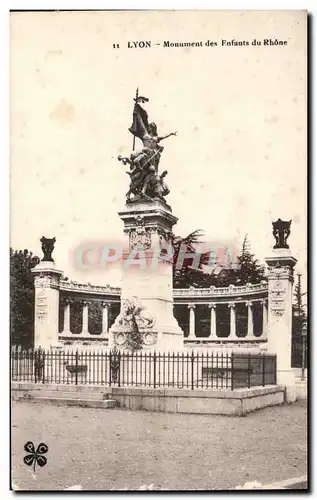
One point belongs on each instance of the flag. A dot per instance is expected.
(140, 120)
(141, 99)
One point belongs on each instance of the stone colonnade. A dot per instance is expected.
(194, 332)
(85, 310)
(233, 320)
(49, 284)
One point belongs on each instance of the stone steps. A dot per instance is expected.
(67, 401)
(48, 393)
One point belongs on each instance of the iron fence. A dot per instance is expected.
(189, 370)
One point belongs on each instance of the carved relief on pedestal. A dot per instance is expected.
(43, 281)
(41, 305)
(140, 238)
(150, 338)
(280, 271)
(133, 324)
(277, 298)
(120, 338)
(165, 235)
(139, 235)
(132, 311)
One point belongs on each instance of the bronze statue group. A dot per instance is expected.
(145, 180)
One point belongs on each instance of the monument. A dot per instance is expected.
(280, 279)
(146, 315)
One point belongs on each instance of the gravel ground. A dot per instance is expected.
(119, 449)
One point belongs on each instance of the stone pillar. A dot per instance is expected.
(232, 321)
(105, 319)
(46, 283)
(279, 324)
(84, 329)
(147, 277)
(264, 320)
(66, 330)
(213, 321)
(191, 308)
(250, 320)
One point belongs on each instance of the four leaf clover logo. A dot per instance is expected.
(35, 457)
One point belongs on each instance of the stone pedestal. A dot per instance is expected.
(46, 283)
(148, 279)
(279, 321)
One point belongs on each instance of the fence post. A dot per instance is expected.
(35, 364)
(42, 361)
(119, 367)
(192, 370)
(249, 370)
(110, 363)
(76, 368)
(154, 369)
(232, 371)
(263, 370)
(275, 368)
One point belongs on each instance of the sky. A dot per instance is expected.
(238, 161)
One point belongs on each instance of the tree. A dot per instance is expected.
(22, 297)
(248, 268)
(184, 274)
(245, 270)
(298, 307)
(298, 320)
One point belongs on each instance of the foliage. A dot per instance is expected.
(187, 275)
(246, 270)
(22, 297)
(299, 319)
(249, 270)
(299, 313)
(133, 336)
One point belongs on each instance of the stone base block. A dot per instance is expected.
(162, 340)
(211, 402)
(287, 379)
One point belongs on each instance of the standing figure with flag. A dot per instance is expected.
(147, 133)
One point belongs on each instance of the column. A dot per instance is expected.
(213, 328)
(264, 321)
(66, 330)
(105, 306)
(85, 318)
(232, 321)
(191, 308)
(46, 314)
(279, 324)
(250, 320)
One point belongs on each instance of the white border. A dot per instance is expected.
(7, 5)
